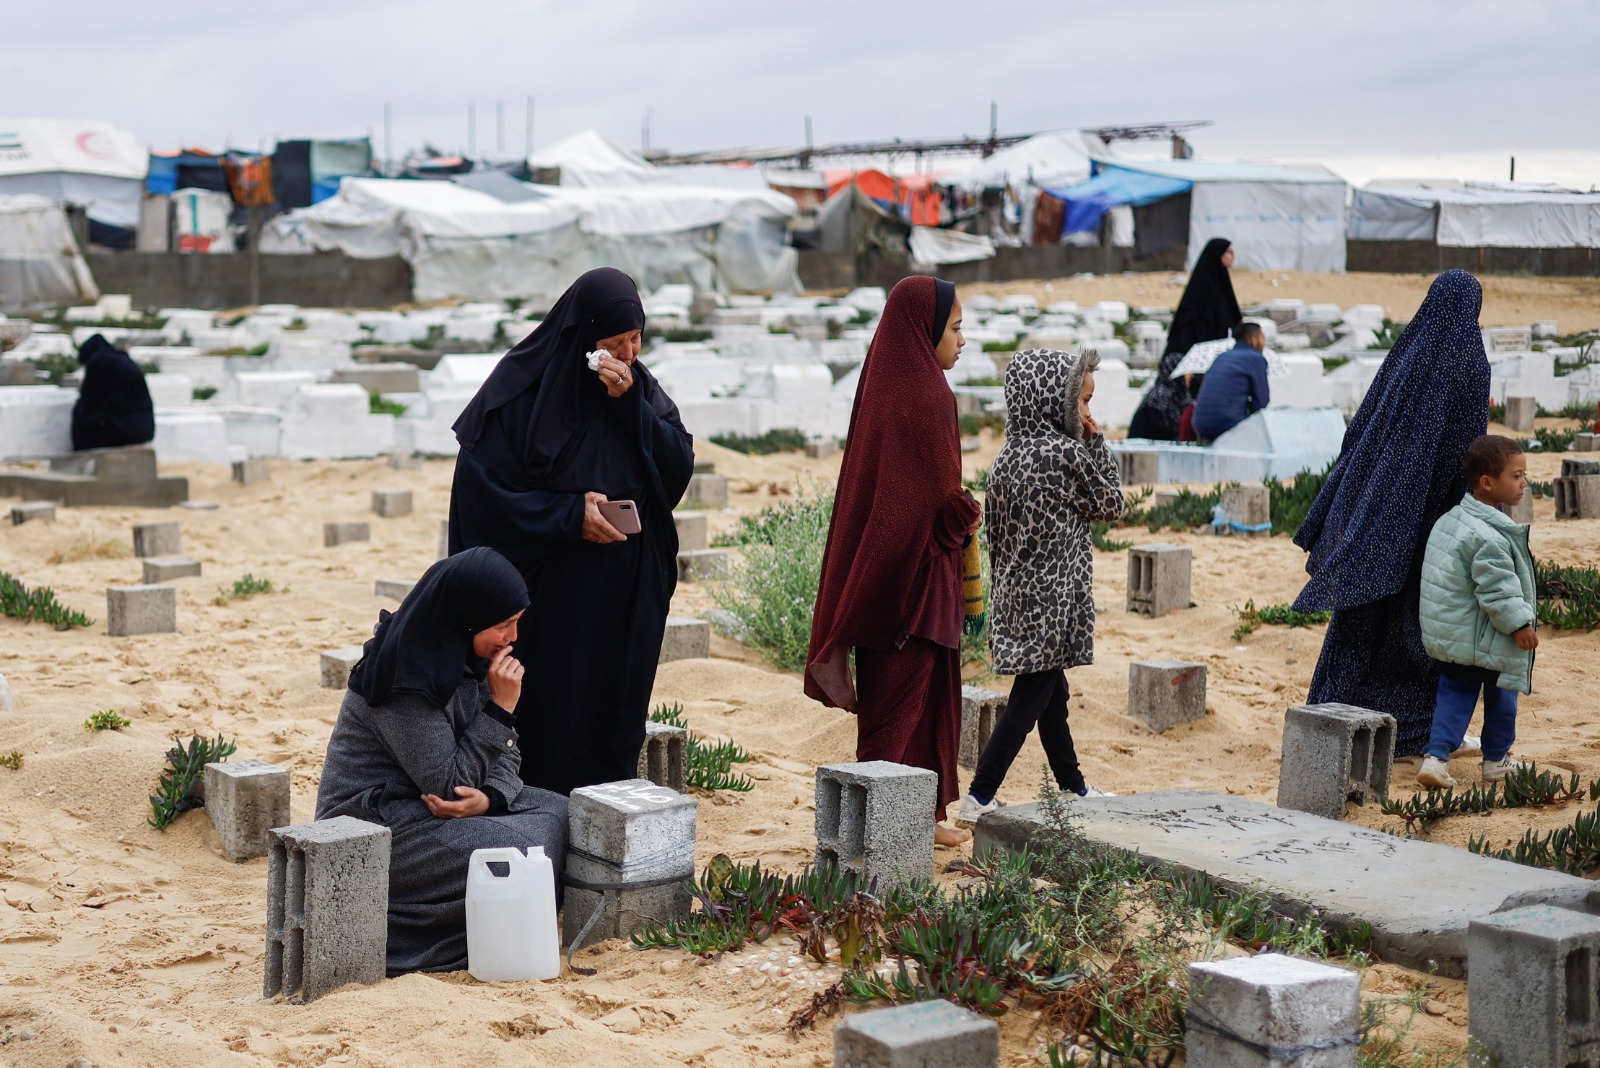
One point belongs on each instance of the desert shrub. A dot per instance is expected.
(1569, 597)
(771, 592)
(708, 765)
(381, 405)
(772, 441)
(107, 719)
(175, 793)
(37, 605)
(244, 588)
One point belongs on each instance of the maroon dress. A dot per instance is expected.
(891, 575)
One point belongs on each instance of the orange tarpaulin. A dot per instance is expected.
(915, 194)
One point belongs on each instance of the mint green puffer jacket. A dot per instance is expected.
(1477, 590)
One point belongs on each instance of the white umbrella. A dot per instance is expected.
(1198, 360)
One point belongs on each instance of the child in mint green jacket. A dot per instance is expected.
(1479, 612)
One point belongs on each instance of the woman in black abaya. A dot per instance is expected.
(113, 406)
(1208, 311)
(543, 444)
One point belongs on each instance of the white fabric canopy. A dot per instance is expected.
(1477, 217)
(39, 260)
(933, 246)
(591, 159)
(1050, 159)
(92, 164)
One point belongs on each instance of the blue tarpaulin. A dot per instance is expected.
(1089, 200)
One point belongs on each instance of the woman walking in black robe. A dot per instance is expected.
(1398, 471)
(1208, 311)
(425, 745)
(113, 406)
(543, 444)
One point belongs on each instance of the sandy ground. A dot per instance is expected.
(1508, 300)
(130, 946)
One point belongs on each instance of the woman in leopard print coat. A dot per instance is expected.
(1051, 480)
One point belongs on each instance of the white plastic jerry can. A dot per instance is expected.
(511, 919)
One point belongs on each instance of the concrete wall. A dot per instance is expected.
(831, 270)
(1425, 257)
(178, 280)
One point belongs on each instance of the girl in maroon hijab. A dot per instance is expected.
(891, 576)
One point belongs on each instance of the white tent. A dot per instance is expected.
(39, 261)
(92, 164)
(466, 243)
(1050, 159)
(1278, 218)
(592, 160)
(1492, 215)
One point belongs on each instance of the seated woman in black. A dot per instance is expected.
(426, 744)
(113, 405)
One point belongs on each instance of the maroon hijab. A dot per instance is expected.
(900, 483)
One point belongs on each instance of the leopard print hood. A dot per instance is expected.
(1042, 388)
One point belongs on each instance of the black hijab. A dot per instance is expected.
(425, 645)
(550, 363)
(944, 296)
(1208, 310)
(113, 406)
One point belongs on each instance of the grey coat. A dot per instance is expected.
(1046, 487)
(380, 762)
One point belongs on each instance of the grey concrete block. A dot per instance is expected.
(1586, 442)
(1248, 505)
(336, 665)
(167, 568)
(141, 610)
(340, 533)
(405, 461)
(1137, 467)
(692, 533)
(380, 378)
(704, 467)
(1522, 511)
(391, 503)
(199, 506)
(1164, 693)
(245, 799)
(1578, 497)
(924, 1034)
(702, 564)
(875, 817)
(708, 490)
(980, 710)
(395, 588)
(1574, 468)
(686, 638)
(444, 538)
(1532, 976)
(1158, 579)
(1418, 896)
(327, 906)
(42, 510)
(1272, 1011)
(1520, 412)
(821, 448)
(157, 539)
(6, 704)
(632, 850)
(255, 469)
(664, 756)
(1334, 753)
(1163, 498)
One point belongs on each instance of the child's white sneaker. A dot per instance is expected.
(967, 815)
(1470, 744)
(1496, 770)
(1090, 791)
(1435, 773)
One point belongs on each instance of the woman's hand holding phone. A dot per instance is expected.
(595, 526)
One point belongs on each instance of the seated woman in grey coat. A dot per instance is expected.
(426, 745)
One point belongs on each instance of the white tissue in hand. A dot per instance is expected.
(594, 358)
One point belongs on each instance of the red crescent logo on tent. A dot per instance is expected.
(97, 145)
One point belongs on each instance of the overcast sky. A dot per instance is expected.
(1408, 86)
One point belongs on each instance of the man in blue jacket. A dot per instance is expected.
(1234, 387)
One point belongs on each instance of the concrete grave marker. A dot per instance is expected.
(1165, 693)
(340, 533)
(405, 461)
(821, 448)
(1158, 579)
(1532, 979)
(336, 665)
(980, 711)
(1137, 467)
(632, 848)
(245, 799)
(708, 490)
(395, 588)
(1585, 442)
(1247, 508)
(1272, 1011)
(1520, 412)
(254, 469)
(391, 503)
(692, 534)
(875, 818)
(148, 609)
(1332, 754)
(702, 564)
(33, 510)
(924, 1034)
(166, 568)
(1578, 497)
(156, 539)
(6, 704)
(686, 638)
(327, 906)
(444, 538)
(664, 756)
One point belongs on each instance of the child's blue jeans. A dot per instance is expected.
(1452, 711)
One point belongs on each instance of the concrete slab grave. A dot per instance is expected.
(166, 568)
(245, 799)
(631, 851)
(692, 534)
(340, 533)
(873, 818)
(702, 564)
(710, 491)
(122, 476)
(254, 469)
(924, 1034)
(327, 906)
(664, 756)
(44, 511)
(145, 609)
(1164, 693)
(336, 665)
(1532, 984)
(1247, 508)
(1158, 579)
(1272, 1011)
(686, 638)
(391, 503)
(395, 588)
(1332, 754)
(980, 710)
(157, 539)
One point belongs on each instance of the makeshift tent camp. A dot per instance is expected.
(1473, 215)
(592, 160)
(1279, 218)
(1050, 159)
(92, 164)
(39, 261)
(465, 242)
